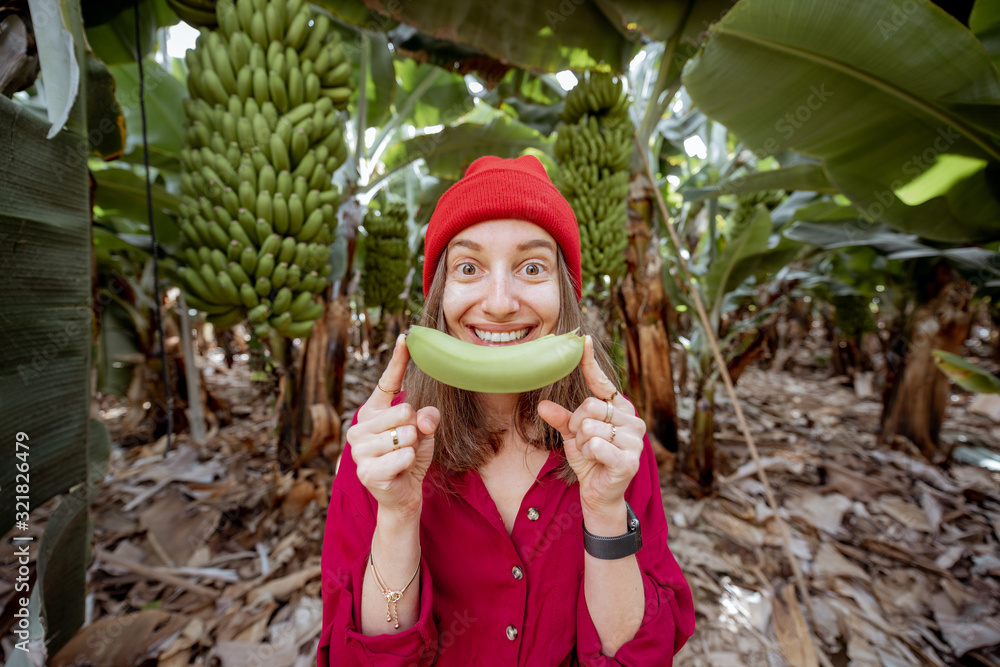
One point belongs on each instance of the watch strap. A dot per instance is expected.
(613, 548)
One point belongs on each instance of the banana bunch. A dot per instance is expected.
(264, 137)
(746, 208)
(503, 369)
(387, 258)
(594, 149)
(597, 94)
(197, 13)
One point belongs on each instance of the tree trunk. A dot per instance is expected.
(289, 404)
(645, 312)
(697, 457)
(338, 324)
(916, 393)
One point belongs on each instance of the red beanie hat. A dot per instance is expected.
(495, 188)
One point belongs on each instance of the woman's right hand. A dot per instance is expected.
(394, 475)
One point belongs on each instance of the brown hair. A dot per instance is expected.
(467, 438)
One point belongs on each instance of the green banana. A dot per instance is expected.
(279, 276)
(265, 266)
(248, 296)
(297, 329)
(504, 369)
(237, 273)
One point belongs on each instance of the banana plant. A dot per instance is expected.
(836, 94)
(730, 229)
(926, 303)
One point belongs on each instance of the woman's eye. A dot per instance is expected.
(468, 269)
(532, 269)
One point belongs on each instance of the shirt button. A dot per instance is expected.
(517, 572)
(533, 514)
(511, 632)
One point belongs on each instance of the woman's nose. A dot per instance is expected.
(500, 299)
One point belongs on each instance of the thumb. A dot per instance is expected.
(428, 419)
(557, 417)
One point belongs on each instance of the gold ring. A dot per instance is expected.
(386, 390)
(611, 413)
(395, 439)
(612, 438)
(612, 396)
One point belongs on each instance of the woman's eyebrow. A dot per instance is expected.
(536, 243)
(471, 245)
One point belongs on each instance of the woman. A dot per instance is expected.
(500, 529)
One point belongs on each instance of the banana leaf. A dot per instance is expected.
(542, 36)
(727, 271)
(984, 22)
(444, 100)
(165, 119)
(45, 323)
(901, 106)
(966, 374)
(113, 41)
(58, 56)
(449, 152)
(810, 177)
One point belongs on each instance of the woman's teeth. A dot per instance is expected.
(505, 337)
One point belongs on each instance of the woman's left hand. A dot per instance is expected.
(602, 439)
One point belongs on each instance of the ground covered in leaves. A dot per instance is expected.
(211, 555)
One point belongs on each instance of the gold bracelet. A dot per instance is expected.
(391, 597)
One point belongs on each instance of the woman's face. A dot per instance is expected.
(501, 283)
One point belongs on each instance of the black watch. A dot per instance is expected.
(613, 548)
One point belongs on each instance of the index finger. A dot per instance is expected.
(599, 384)
(392, 377)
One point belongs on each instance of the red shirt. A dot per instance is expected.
(479, 584)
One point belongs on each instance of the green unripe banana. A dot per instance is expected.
(271, 244)
(234, 250)
(207, 307)
(248, 260)
(504, 369)
(219, 261)
(279, 208)
(297, 329)
(287, 252)
(282, 300)
(281, 321)
(300, 303)
(279, 275)
(264, 230)
(237, 233)
(263, 286)
(237, 273)
(226, 320)
(248, 296)
(265, 266)
(229, 288)
(258, 313)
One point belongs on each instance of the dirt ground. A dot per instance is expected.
(210, 556)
